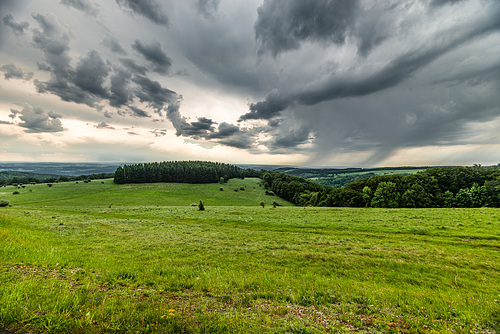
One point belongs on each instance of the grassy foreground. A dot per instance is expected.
(96, 258)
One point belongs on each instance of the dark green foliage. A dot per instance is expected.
(201, 206)
(474, 186)
(4, 203)
(181, 172)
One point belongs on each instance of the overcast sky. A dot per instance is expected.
(315, 83)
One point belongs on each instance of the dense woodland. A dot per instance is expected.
(474, 186)
(181, 172)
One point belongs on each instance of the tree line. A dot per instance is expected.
(475, 186)
(32, 179)
(181, 172)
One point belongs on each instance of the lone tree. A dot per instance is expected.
(262, 204)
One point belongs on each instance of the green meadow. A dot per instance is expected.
(141, 258)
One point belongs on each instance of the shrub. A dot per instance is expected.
(49, 184)
(262, 204)
(15, 193)
(4, 203)
(201, 206)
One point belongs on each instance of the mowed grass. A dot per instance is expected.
(153, 263)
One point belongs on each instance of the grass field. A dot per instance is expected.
(100, 257)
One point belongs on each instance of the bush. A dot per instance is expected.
(201, 206)
(4, 203)
(262, 204)
(15, 193)
(49, 184)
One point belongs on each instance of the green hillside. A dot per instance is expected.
(102, 193)
(138, 258)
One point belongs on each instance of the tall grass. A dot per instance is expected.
(71, 263)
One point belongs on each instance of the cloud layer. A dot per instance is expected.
(351, 80)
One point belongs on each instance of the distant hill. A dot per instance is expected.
(340, 177)
(5, 175)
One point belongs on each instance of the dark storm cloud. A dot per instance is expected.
(242, 140)
(397, 71)
(133, 67)
(150, 9)
(120, 91)
(271, 107)
(83, 5)
(54, 43)
(114, 45)
(153, 93)
(284, 25)
(291, 138)
(440, 3)
(104, 125)
(18, 27)
(207, 7)
(155, 55)
(91, 73)
(37, 120)
(138, 112)
(11, 71)
(225, 130)
(198, 129)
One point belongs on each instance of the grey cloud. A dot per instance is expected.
(104, 125)
(284, 25)
(154, 54)
(198, 129)
(271, 107)
(150, 9)
(120, 91)
(113, 44)
(291, 138)
(91, 73)
(159, 132)
(153, 93)
(397, 71)
(440, 3)
(18, 27)
(83, 5)
(138, 112)
(11, 71)
(225, 130)
(37, 120)
(207, 7)
(132, 66)
(242, 140)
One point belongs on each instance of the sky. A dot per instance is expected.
(337, 83)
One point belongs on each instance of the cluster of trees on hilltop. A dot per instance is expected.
(475, 186)
(181, 172)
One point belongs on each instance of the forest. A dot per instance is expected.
(467, 187)
(181, 172)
